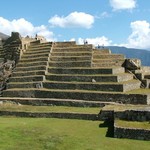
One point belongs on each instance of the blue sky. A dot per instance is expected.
(108, 22)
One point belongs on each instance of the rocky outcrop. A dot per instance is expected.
(132, 64)
(11, 47)
(5, 72)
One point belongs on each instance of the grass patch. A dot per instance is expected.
(133, 124)
(139, 91)
(65, 109)
(123, 107)
(60, 134)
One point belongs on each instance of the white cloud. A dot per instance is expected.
(24, 28)
(103, 15)
(140, 36)
(74, 19)
(96, 41)
(123, 4)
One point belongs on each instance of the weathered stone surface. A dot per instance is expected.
(80, 95)
(51, 115)
(54, 102)
(74, 75)
(132, 64)
(131, 133)
(12, 47)
(134, 115)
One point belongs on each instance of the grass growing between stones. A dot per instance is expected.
(60, 134)
(133, 124)
(139, 91)
(123, 107)
(29, 108)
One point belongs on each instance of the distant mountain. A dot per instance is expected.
(142, 54)
(3, 36)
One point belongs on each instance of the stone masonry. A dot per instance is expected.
(65, 73)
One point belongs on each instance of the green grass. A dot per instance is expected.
(139, 91)
(133, 124)
(123, 107)
(63, 109)
(60, 134)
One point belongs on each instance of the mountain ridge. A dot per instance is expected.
(142, 54)
(3, 36)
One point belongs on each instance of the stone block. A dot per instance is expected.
(132, 64)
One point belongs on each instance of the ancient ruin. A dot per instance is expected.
(40, 73)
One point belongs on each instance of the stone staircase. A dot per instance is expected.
(104, 58)
(30, 71)
(64, 70)
(52, 79)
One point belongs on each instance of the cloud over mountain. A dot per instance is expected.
(140, 36)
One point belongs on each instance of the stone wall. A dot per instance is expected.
(110, 97)
(106, 115)
(131, 133)
(50, 115)
(141, 115)
(134, 115)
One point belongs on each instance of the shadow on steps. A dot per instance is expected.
(110, 125)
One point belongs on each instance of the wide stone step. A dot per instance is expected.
(34, 59)
(70, 64)
(107, 64)
(85, 54)
(108, 60)
(29, 50)
(28, 73)
(28, 64)
(26, 56)
(64, 44)
(27, 78)
(40, 45)
(50, 112)
(101, 51)
(79, 94)
(108, 56)
(39, 48)
(114, 87)
(70, 44)
(71, 49)
(89, 78)
(41, 51)
(70, 58)
(86, 70)
(31, 68)
(33, 84)
(55, 102)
